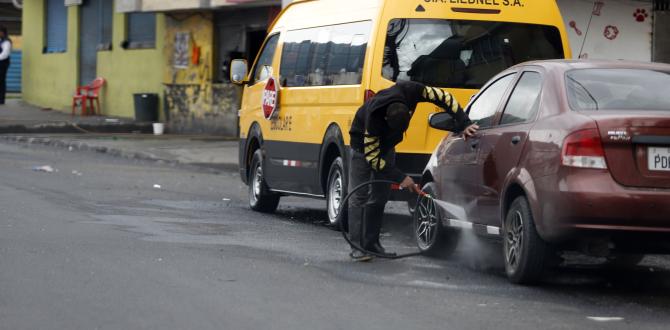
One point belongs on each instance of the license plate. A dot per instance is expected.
(659, 159)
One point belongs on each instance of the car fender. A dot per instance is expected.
(522, 178)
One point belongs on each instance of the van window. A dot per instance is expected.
(263, 68)
(461, 53)
(325, 56)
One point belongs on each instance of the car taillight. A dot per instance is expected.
(368, 95)
(584, 149)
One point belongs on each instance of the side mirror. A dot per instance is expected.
(442, 121)
(238, 71)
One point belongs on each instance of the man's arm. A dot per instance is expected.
(448, 103)
(376, 160)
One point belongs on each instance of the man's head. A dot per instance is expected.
(398, 116)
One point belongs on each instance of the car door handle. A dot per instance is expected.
(474, 144)
(516, 139)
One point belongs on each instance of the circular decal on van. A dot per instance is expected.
(270, 98)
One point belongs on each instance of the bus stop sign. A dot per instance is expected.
(270, 98)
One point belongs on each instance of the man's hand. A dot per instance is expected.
(470, 131)
(409, 184)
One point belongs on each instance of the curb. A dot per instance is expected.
(116, 152)
(69, 128)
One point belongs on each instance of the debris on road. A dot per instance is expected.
(157, 186)
(44, 168)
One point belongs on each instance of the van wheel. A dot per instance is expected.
(524, 251)
(336, 190)
(260, 197)
(431, 237)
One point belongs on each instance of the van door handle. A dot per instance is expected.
(516, 140)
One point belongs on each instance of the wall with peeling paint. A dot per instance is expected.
(195, 103)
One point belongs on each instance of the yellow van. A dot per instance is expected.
(323, 58)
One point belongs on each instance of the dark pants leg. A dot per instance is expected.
(4, 66)
(366, 206)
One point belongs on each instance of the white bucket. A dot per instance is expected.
(159, 128)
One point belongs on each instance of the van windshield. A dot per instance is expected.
(462, 53)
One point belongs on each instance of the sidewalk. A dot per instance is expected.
(22, 123)
(19, 117)
(202, 151)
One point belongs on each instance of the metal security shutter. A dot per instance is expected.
(106, 18)
(56, 27)
(14, 73)
(142, 30)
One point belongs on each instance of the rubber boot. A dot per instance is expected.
(374, 216)
(355, 221)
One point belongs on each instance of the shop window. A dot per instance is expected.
(56, 27)
(141, 30)
(325, 56)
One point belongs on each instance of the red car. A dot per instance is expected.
(571, 155)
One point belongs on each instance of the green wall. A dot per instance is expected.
(49, 80)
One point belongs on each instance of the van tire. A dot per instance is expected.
(336, 190)
(524, 251)
(260, 197)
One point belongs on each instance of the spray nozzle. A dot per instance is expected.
(419, 192)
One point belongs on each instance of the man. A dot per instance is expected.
(379, 125)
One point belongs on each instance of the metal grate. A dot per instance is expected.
(661, 5)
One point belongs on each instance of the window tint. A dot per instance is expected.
(141, 30)
(483, 110)
(618, 89)
(56, 27)
(525, 99)
(263, 68)
(463, 53)
(325, 56)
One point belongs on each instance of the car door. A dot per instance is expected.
(457, 157)
(501, 146)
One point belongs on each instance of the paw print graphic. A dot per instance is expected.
(640, 15)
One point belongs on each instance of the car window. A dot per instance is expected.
(525, 99)
(263, 68)
(483, 109)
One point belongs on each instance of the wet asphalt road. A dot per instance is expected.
(107, 250)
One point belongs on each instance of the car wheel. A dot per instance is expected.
(260, 197)
(336, 190)
(431, 237)
(524, 250)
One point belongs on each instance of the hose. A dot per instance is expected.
(356, 246)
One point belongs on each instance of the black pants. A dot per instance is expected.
(366, 207)
(4, 66)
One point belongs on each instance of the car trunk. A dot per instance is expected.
(637, 146)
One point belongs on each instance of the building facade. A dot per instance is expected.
(181, 50)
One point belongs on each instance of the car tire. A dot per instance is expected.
(336, 190)
(524, 250)
(431, 237)
(260, 197)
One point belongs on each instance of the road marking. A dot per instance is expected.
(605, 318)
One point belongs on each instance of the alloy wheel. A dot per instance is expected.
(514, 240)
(427, 222)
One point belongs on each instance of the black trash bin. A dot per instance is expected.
(146, 107)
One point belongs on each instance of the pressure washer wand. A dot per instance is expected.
(420, 192)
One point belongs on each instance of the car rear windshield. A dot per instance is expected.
(461, 53)
(618, 89)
